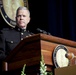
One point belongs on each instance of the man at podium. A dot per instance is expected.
(10, 37)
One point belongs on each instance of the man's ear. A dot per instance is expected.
(29, 19)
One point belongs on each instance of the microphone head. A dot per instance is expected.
(39, 30)
(42, 31)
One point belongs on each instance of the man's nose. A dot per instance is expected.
(21, 17)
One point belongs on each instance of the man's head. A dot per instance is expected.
(22, 17)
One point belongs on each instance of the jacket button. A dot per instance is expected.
(11, 41)
(21, 38)
(21, 33)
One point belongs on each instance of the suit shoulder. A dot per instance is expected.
(6, 29)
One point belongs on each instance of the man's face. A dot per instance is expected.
(22, 18)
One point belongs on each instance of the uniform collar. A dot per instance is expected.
(19, 29)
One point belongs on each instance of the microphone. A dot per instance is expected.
(42, 31)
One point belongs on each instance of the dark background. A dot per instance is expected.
(55, 16)
(62, 18)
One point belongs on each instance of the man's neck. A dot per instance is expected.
(22, 27)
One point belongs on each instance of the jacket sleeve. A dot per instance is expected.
(2, 46)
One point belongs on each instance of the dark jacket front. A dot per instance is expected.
(10, 38)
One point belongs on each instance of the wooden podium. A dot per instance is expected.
(70, 70)
(29, 52)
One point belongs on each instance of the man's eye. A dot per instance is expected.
(24, 16)
(21, 16)
(18, 16)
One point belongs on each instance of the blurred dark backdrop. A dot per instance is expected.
(62, 18)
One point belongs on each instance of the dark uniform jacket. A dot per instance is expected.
(10, 38)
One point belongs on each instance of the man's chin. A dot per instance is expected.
(22, 27)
